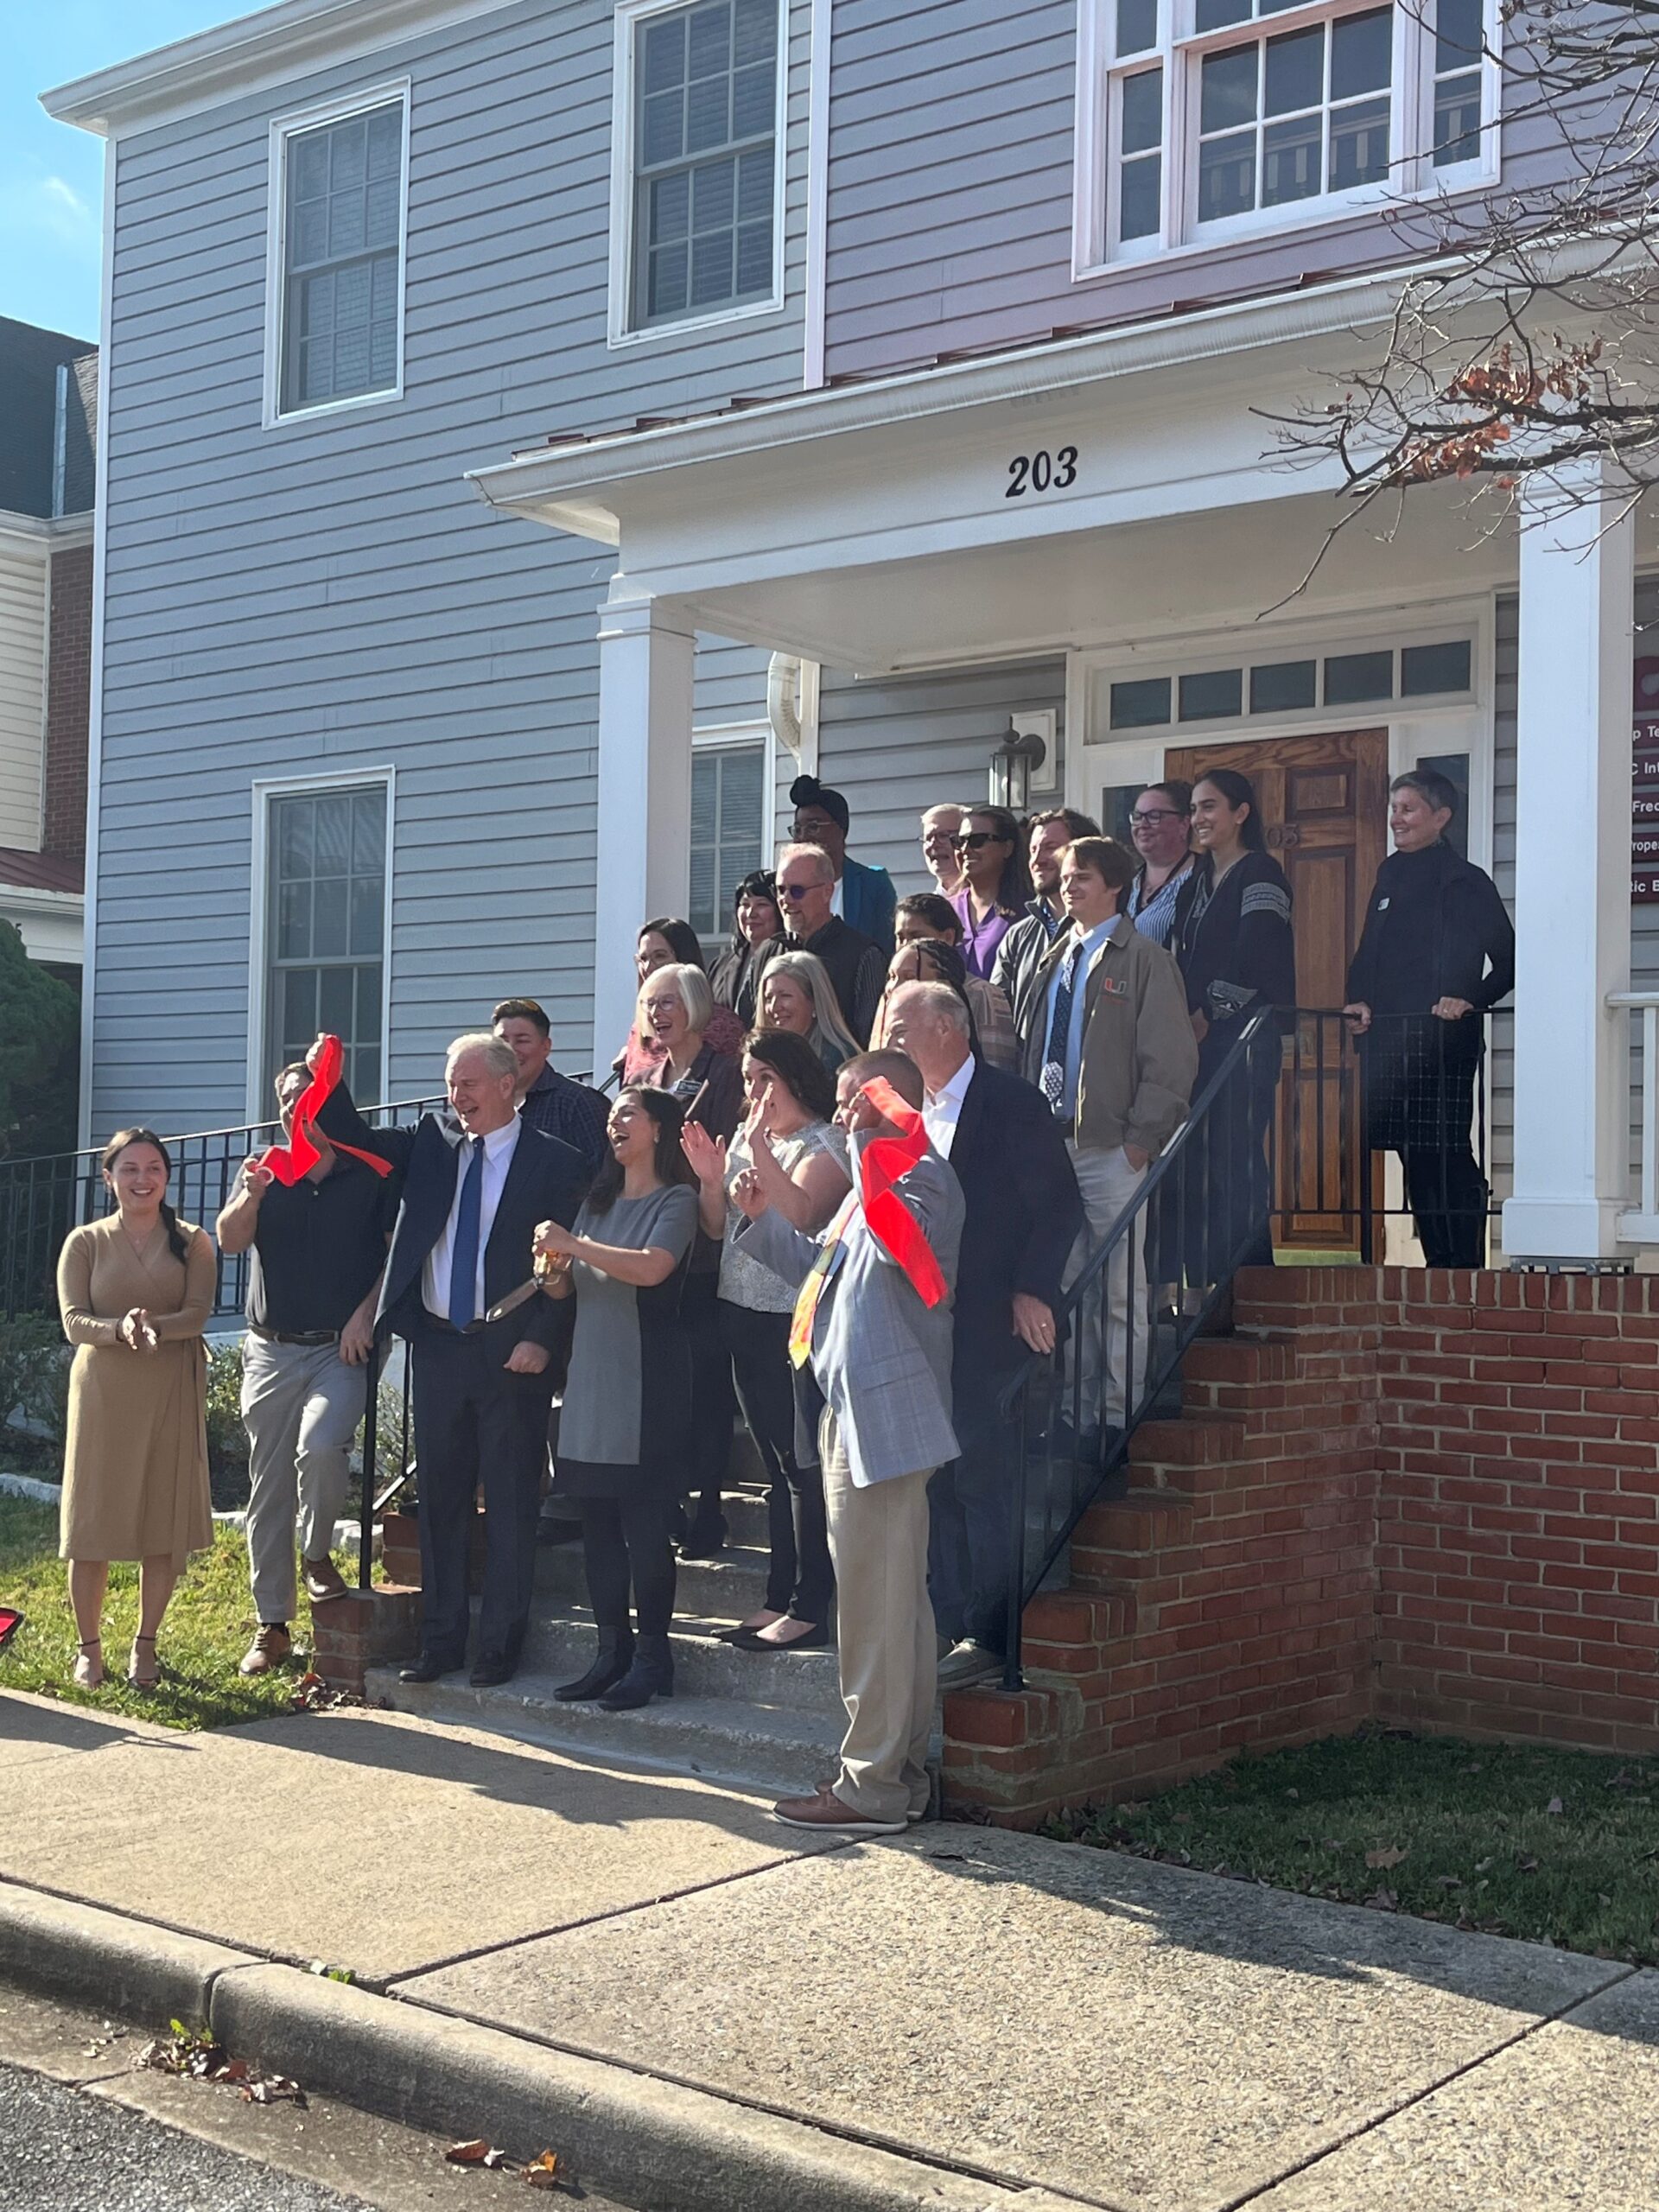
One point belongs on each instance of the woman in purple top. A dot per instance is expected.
(996, 884)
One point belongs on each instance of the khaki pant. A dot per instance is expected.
(301, 1406)
(885, 1632)
(1102, 1326)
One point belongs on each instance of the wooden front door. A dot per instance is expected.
(1325, 808)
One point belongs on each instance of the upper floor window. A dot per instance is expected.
(703, 128)
(338, 255)
(1214, 119)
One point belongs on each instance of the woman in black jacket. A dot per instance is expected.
(1232, 937)
(1438, 950)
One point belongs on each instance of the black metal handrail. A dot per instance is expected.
(1062, 1466)
(1255, 1154)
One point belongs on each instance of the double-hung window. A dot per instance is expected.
(703, 94)
(325, 931)
(1213, 119)
(729, 801)
(338, 254)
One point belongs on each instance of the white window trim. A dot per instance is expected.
(263, 790)
(1466, 719)
(619, 331)
(1094, 250)
(282, 128)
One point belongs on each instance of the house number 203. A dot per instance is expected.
(1042, 471)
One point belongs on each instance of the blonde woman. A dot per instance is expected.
(797, 996)
(136, 1291)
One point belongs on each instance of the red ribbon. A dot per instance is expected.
(289, 1162)
(881, 1163)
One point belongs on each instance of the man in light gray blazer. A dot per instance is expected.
(880, 1357)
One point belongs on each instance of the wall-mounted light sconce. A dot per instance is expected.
(1016, 761)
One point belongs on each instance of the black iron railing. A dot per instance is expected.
(41, 1200)
(1277, 1151)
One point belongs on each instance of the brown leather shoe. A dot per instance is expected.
(830, 1816)
(270, 1646)
(323, 1579)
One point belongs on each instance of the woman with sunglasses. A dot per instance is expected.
(1161, 825)
(996, 884)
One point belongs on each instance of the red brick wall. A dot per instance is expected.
(68, 700)
(1427, 1498)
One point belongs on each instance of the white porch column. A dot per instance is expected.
(643, 847)
(1571, 885)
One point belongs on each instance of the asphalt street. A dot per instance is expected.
(64, 2151)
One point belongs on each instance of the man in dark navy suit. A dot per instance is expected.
(1024, 1212)
(476, 1182)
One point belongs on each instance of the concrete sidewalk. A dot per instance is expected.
(709, 2014)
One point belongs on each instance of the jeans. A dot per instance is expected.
(799, 1578)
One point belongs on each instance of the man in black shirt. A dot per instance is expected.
(1437, 953)
(547, 1100)
(856, 964)
(318, 1250)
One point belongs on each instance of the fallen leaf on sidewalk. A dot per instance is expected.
(313, 1694)
(478, 2152)
(199, 2058)
(543, 2171)
(1390, 1856)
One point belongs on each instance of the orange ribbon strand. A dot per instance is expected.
(289, 1162)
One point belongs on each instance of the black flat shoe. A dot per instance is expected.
(707, 1539)
(651, 1675)
(491, 1668)
(749, 1639)
(611, 1663)
(429, 1668)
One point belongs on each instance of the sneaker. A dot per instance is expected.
(269, 1648)
(969, 1662)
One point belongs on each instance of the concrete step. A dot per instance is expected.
(728, 1587)
(775, 1749)
(562, 1645)
(746, 1519)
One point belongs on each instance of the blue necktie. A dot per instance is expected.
(1059, 1030)
(463, 1260)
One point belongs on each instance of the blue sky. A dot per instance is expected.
(51, 177)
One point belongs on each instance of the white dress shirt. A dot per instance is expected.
(942, 1109)
(434, 1276)
(835, 904)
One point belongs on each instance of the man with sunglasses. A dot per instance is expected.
(1023, 950)
(856, 964)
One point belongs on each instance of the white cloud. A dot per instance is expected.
(50, 207)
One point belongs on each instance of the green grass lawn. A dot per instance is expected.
(207, 1628)
(1556, 1846)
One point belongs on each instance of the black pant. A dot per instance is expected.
(1224, 1206)
(625, 1541)
(1448, 1198)
(474, 1422)
(799, 1578)
(968, 1501)
(713, 1410)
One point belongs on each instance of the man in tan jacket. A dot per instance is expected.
(1111, 1048)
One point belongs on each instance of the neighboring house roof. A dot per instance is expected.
(38, 476)
(20, 871)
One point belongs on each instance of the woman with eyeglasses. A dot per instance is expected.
(1233, 940)
(1161, 824)
(661, 943)
(996, 884)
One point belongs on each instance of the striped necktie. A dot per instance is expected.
(807, 1303)
(1059, 1030)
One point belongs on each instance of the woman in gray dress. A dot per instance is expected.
(624, 1432)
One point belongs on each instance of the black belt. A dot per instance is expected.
(449, 1329)
(313, 1337)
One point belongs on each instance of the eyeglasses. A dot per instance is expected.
(1144, 821)
(796, 892)
(974, 838)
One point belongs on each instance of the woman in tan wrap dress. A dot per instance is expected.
(136, 1291)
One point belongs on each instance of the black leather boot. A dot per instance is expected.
(611, 1664)
(651, 1675)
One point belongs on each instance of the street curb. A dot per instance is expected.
(118, 1965)
(661, 2146)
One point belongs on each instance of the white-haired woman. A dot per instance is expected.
(797, 996)
(675, 1008)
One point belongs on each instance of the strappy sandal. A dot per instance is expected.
(88, 1675)
(139, 1681)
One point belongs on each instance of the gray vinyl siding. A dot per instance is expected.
(330, 595)
(895, 745)
(951, 131)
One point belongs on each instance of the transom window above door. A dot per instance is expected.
(1211, 119)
